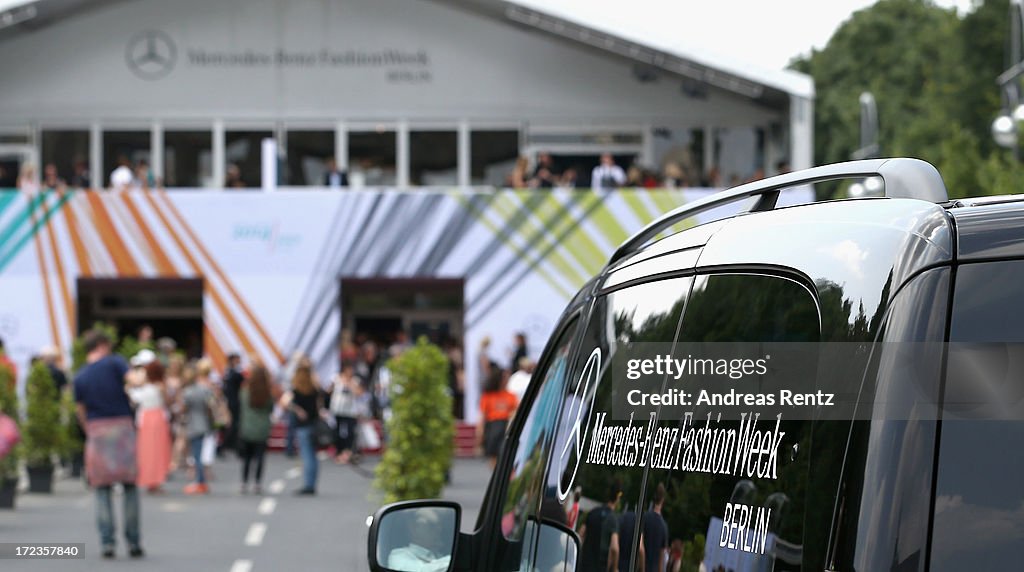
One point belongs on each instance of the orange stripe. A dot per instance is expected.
(123, 261)
(220, 274)
(76, 240)
(212, 349)
(217, 300)
(62, 278)
(163, 263)
(46, 277)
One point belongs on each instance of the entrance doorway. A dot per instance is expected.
(379, 308)
(172, 307)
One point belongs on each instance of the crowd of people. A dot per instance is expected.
(544, 173)
(608, 175)
(157, 416)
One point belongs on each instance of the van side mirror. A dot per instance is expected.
(414, 536)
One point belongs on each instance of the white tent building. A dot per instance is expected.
(402, 92)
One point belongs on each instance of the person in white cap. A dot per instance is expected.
(153, 445)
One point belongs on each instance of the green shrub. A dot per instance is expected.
(9, 406)
(71, 440)
(42, 432)
(421, 430)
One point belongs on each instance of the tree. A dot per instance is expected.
(421, 429)
(933, 76)
(42, 432)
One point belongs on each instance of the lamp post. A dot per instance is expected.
(1004, 127)
(868, 128)
(869, 148)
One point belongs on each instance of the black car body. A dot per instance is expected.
(926, 477)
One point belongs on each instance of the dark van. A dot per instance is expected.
(927, 475)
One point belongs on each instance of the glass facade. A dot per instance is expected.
(188, 159)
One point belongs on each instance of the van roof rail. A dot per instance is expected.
(903, 179)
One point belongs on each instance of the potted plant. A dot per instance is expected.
(421, 429)
(9, 464)
(71, 444)
(42, 431)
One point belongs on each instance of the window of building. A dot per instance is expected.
(433, 158)
(68, 150)
(188, 159)
(124, 147)
(493, 156)
(243, 152)
(371, 158)
(308, 154)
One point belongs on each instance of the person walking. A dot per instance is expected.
(196, 398)
(232, 385)
(105, 412)
(255, 405)
(655, 533)
(154, 433)
(173, 386)
(349, 402)
(305, 402)
(497, 405)
(600, 533)
(220, 415)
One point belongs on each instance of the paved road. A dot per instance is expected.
(227, 531)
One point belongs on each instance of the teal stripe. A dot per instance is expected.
(21, 219)
(6, 199)
(26, 237)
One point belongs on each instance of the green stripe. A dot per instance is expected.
(532, 233)
(26, 237)
(519, 252)
(578, 244)
(529, 227)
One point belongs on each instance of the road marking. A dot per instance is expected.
(255, 535)
(173, 507)
(276, 487)
(267, 506)
(241, 566)
(293, 473)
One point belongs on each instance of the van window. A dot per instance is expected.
(600, 500)
(523, 491)
(684, 513)
(979, 501)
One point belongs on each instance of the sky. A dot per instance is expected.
(762, 33)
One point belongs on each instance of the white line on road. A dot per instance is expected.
(276, 487)
(267, 505)
(241, 566)
(293, 473)
(255, 535)
(173, 507)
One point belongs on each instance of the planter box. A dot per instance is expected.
(40, 479)
(8, 491)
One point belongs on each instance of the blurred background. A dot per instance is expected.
(333, 180)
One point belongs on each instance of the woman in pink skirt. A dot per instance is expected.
(154, 433)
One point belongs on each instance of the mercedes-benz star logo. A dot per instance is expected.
(151, 54)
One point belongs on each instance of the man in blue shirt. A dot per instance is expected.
(105, 412)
